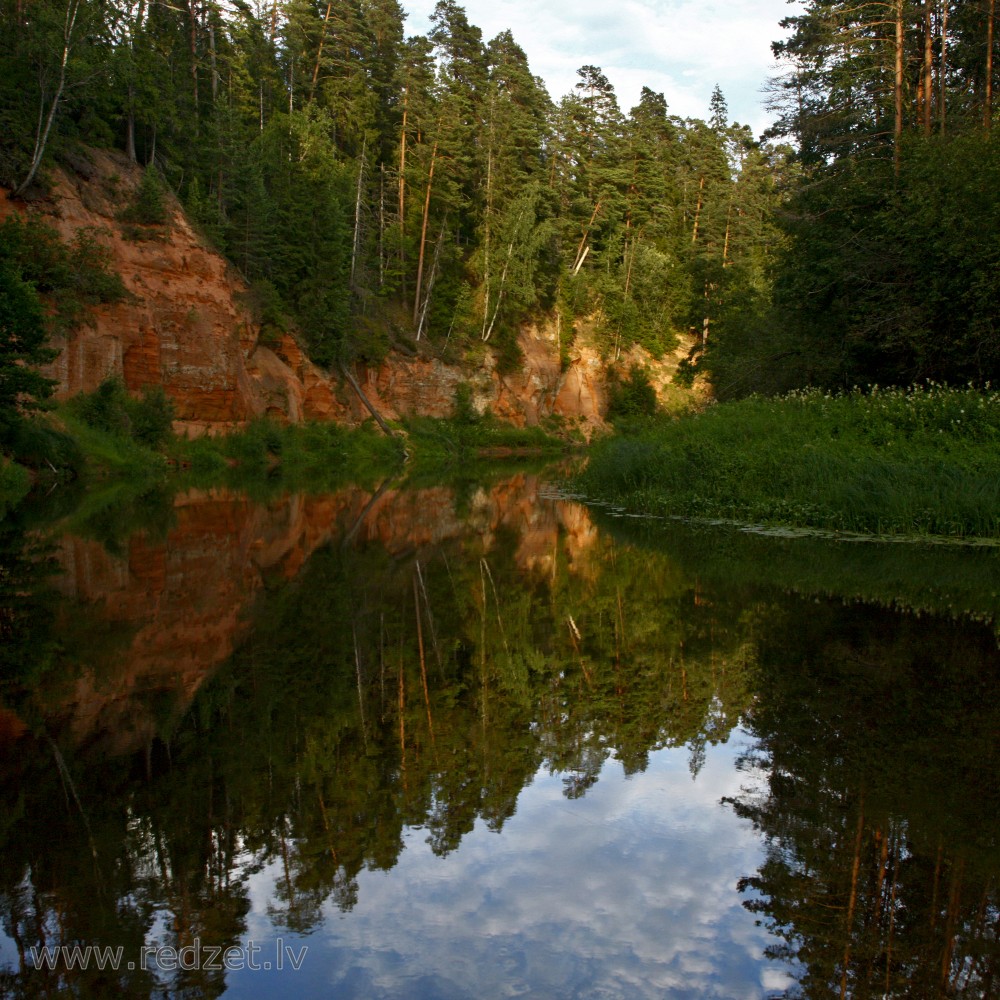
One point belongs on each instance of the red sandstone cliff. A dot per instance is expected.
(184, 327)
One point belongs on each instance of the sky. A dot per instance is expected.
(681, 48)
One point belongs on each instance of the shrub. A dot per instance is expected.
(463, 411)
(37, 446)
(631, 397)
(67, 276)
(152, 416)
(149, 207)
(921, 461)
(14, 485)
(110, 408)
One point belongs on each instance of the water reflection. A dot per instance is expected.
(310, 720)
(879, 739)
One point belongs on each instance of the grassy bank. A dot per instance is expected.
(294, 456)
(446, 443)
(923, 461)
(120, 448)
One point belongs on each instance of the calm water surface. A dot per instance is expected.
(482, 741)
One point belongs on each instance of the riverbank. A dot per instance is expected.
(110, 442)
(921, 461)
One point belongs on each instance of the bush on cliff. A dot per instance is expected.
(146, 420)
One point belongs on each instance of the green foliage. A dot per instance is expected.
(268, 311)
(633, 396)
(14, 485)
(69, 277)
(22, 340)
(267, 457)
(466, 436)
(334, 162)
(34, 443)
(146, 420)
(464, 411)
(291, 235)
(152, 417)
(895, 462)
(111, 454)
(149, 205)
(868, 739)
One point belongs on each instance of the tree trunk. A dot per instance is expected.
(943, 67)
(402, 191)
(357, 215)
(951, 920)
(212, 61)
(193, 18)
(486, 242)
(423, 235)
(988, 92)
(430, 281)
(381, 226)
(503, 279)
(319, 51)
(898, 89)
(697, 210)
(386, 429)
(853, 899)
(928, 68)
(725, 244)
(423, 660)
(274, 21)
(45, 121)
(582, 250)
(130, 126)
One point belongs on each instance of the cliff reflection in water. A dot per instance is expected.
(295, 686)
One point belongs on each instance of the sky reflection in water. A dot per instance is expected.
(629, 891)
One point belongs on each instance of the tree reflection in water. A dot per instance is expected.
(297, 686)
(878, 736)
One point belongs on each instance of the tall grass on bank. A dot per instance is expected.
(444, 443)
(308, 456)
(919, 461)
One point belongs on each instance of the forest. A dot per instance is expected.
(377, 189)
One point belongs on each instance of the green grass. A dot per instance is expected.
(110, 454)
(305, 456)
(923, 461)
(446, 443)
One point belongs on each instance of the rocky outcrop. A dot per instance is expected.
(185, 325)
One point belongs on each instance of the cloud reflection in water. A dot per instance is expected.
(627, 892)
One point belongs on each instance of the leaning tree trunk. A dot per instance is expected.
(45, 121)
(423, 235)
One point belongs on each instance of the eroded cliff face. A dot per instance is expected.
(182, 325)
(185, 326)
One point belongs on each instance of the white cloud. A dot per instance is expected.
(680, 47)
(628, 892)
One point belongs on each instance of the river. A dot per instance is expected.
(483, 740)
